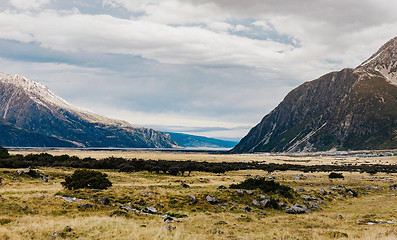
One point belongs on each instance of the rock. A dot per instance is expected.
(69, 199)
(221, 187)
(249, 192)
(55, 235)
(262, 213)
(306, 197)
(337, 188)
(211, 200)
(194, 199)
(146, 192)
(351, 194)
(151, 209)
(128, 208)
(170, 228)
(263, 197)
(104, 201)
(261, 203)
(300, 190)
(20, 172)
(324, 192)
(247, 209)
(271, 177)
(296, 177)
(185, 185)
(312, 205)
(67, 229)
(339, 216)
(393, 187)
(50, 178)
(370, 188)
(240, 191)
(25, 208)
(297, 209)
(169, 219)
(215, 230)
(85, 206)
(44, 179)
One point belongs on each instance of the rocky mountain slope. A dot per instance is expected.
(35, 112)
(347, 110)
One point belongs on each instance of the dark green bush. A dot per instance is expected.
(87, 179)
(265, 186)
(335, 175)
(4, 153)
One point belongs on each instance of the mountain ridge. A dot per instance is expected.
(33, 107)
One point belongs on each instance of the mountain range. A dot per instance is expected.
(352, 109)
(31, 115)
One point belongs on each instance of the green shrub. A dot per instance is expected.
(4, 153)
(87, 179)
(335, 175)
(265, 186)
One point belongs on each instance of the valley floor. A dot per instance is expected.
(32, 209)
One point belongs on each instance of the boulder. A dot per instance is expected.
(194, 199)
(297, 209)
(185, 185)
(247, 209)
(211, 200)
(312, 205)
(393, 187)
(104, 201)
(261, 203)
(324, 192)
(249, 192)
(168, 219)
(300, 190)
(151, 209)
(240, 191)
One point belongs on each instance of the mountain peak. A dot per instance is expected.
(383, 62)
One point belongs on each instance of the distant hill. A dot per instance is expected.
(353, 109)
(192, 141)
(32, 115)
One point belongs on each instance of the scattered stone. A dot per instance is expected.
(393, 187)
(271, 177)
(247, 209)
(25, 208)
(55, 235)
(300, 190)
(68, 199)
(169, 219)
(240, 191)
(50, 178)
(262, 213)
(104, 201)
(42, 196)
(44, 179)
(351, 194)
(151, 209)
(215, 230)
(170, 228)
(19, 172)
(297, 209)
(194, 199)
(312, 205)
(307, 197)
(221, 187)
(261, 203)
(85, 206)
(339, 216)
(67, 229)
(337, 188)
(128, 208)
(370, 188)
(15, 179)
(263, 197)
(146, 192)
(249, 192)
(324, 192)
(185, 185)
(211, 200)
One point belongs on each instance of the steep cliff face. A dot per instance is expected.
(350, 109)
(32, 107)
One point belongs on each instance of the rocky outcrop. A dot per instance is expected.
(347, 110)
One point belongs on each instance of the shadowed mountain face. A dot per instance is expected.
(36, 111)
(347, 110)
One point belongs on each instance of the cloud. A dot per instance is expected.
(210, 64)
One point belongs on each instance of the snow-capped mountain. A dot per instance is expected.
(32, 107)
(352, 109)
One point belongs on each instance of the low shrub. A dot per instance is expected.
(336, 175)
(264, 185)
(87, 179)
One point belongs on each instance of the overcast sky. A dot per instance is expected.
(205, 67)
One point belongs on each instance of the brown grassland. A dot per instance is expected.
(371, 215)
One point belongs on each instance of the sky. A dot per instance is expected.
(212, 68)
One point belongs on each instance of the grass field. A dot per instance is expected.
(371, 215)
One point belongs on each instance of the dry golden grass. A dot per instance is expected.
(203, 221)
